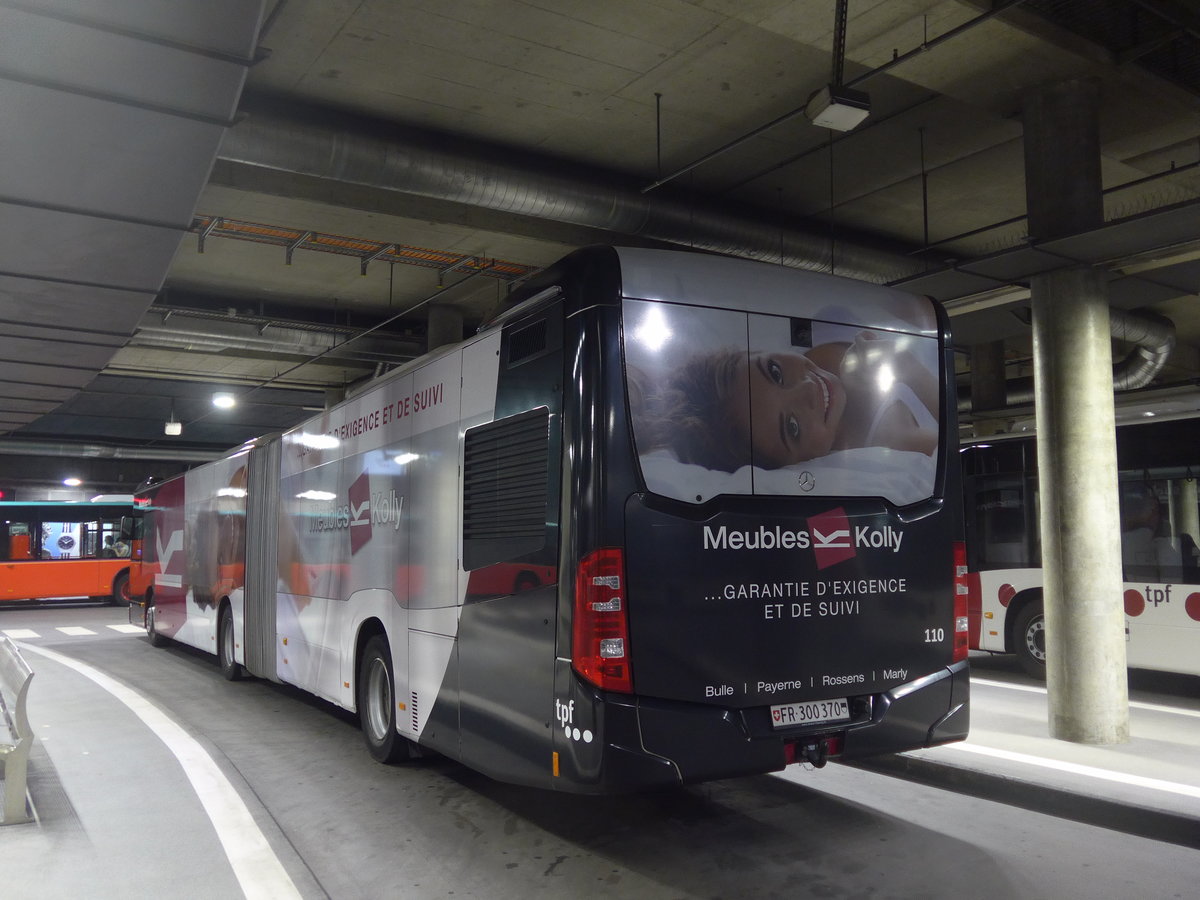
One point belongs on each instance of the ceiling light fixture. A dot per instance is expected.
(223, 400)
(173, 426)
(834, 106)
(838, 108)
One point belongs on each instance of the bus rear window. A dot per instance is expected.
(727, 401)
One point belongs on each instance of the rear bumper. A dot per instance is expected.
(931, 710)
(652, 743)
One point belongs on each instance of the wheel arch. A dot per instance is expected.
(368, 628)
(224, 607)
(1015, 607)
(118, 588)
(120, 573)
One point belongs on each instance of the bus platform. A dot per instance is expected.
(136, 812)
(120, 809)
(1149, 785)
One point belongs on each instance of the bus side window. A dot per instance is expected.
(17, 542)
(90, 545)
(114, 543)
(1150, 544)
(129, 533)
(999, 524)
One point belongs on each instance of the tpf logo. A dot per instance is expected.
(831, 538)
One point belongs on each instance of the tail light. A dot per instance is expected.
(600, 632)
(961, 592)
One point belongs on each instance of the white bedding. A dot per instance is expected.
(900, 476)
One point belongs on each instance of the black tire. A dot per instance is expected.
(1029, 636)
(377, 703)
(120, 595)
(156, 639)
(231, 670)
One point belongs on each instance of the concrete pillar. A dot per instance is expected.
(1189, 509)
(988, 387)
(1080, 521)
(1077, 456)
(445, 326)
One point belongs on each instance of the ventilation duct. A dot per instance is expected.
(453, 169)
(277, 340)
(1153, 338)
(17, 447)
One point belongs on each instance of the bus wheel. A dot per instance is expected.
(120, 595)
(231, 670)
(376, 703)
(1030, 635)
(156, 639)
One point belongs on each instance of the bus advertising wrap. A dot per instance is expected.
(767, 611)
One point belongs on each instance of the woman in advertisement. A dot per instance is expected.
(723, 407)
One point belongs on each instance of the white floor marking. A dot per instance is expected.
(1027, 688)
(258, 869)
(1154, 784)
(75, 630)
(127, 628)
(1134, 704)
(18, 633)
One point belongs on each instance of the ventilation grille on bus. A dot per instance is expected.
(527, 342)
(505, 480)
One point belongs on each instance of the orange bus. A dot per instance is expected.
(56, 549)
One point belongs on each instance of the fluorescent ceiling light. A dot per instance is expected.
(316, 495)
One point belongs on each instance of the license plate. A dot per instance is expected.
(788, 714)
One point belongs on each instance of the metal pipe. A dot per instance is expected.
(474, 174)
(11, 447)
(1153, 338)
(276, 340)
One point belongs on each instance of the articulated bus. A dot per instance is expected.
(59, 549)
(1157, 465)
(668, 517)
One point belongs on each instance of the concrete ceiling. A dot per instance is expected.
(205, 195)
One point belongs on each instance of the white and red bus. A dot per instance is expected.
(1157, 467)
(668, 517)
